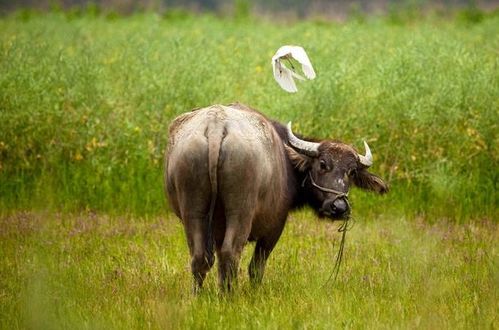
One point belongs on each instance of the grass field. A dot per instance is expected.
(86, 237)
(95, 271)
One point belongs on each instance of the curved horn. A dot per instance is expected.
(366, 160)
(306, 147)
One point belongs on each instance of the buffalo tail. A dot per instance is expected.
(215, 134)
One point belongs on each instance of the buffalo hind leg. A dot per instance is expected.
(202, 258)
(236, 236)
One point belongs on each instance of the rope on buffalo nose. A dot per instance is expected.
(339, 194)
(344, 227)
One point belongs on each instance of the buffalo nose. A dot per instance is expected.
(339, 206)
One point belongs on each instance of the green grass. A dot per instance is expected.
(95, 271)
(85, 102)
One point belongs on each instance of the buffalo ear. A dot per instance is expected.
(365, 180)
(300, 161)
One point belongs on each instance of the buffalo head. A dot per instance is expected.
(329, 169)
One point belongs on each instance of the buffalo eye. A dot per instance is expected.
(323, 165)
(352, 172)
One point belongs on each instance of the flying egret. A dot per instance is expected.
(284, 75)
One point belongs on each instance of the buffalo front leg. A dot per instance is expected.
(262, 252)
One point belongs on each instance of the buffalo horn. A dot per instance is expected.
(305, 147)
(366, 160)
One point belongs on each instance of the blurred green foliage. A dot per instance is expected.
(86, 99)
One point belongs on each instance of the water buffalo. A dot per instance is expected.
(232, 175)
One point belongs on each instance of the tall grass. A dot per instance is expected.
(85, 102)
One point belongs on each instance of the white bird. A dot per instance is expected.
(284, 75)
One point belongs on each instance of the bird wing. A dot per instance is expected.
(284, 77)
(286, 81)
(283, 51)
(299, 54)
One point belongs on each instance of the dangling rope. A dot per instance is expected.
(344, 227)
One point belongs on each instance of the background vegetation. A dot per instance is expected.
(86, 101)
(86, 239)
